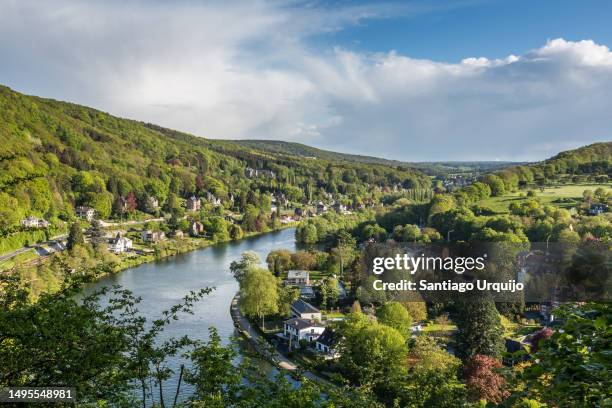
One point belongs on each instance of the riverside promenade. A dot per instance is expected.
(265, 349)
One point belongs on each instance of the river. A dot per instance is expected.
(163, 284)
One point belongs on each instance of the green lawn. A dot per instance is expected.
(550, 194)
(17, 259)
(435, 327)
(333, 315)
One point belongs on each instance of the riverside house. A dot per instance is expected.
(305, 310)
(152, 236)
(298, 278)
(297, 329)
(119, 244)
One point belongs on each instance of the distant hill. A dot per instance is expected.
(431, 168)
(56, 155)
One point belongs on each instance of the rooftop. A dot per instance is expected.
(328, 338)
(296, 274)
(301, 324)
(304, 307)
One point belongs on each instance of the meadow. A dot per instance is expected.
(571, 194)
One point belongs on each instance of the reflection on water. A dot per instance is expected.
(164, 283)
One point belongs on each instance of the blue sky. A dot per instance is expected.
(450, 31)
(410, 80)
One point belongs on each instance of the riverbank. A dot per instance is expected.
(42, 277)
(163, 253)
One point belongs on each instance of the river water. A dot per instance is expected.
(164, 283)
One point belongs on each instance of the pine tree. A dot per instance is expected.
(96, 233)
(75, 236)
(479, 330)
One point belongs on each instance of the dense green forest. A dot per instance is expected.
(55, 156)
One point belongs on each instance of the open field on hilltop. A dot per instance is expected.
(548, 196)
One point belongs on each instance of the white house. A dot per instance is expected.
(297, 329)
(305, 310)
(119, 244)
(196, 228)
(321, 208)
(33, 222)
(298, 278)
(85, 212)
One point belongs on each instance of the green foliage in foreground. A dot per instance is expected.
(574, 364)
(115, 357)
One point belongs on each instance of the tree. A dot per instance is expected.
(329, 292)
(601, 194)
(102, 351)
(307, 234)
(259, 293)
(432, 377)
(249, 219)
(375, 232)
(235, 232)
(10, 211)
(218, 228)
(394, 314)
(214, 377)
(75, 236)
(248, 260)
(371, 354)
(479, 329)
(303, 260)
(573, 364)
(356, 307)
(287, 295)
(417, 310)
(587, 196)
(496, 184)
(279, 261)
(483, 381)
(96, 233)
(130, 202)
(101, 202)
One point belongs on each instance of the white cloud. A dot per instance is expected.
(248, 70)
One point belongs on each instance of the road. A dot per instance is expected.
(255, 337)
(107, 224)
(21, 250)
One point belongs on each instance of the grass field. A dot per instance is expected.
(550, 194)
(17, 259)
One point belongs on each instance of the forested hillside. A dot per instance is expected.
(431, 168)
(55, 156)
(573, 166)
